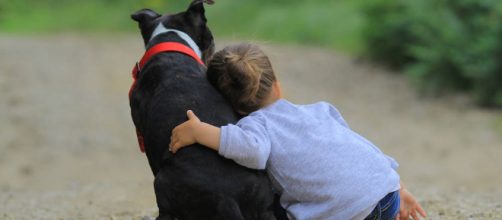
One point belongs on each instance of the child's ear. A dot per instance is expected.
(277, 89)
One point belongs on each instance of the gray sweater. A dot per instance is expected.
(322, 168)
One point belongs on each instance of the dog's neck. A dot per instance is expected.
(160, 29)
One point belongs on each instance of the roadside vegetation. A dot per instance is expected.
(443, 46)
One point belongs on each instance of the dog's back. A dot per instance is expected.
(196, 183)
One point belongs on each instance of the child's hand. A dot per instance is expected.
(409, 206)
(184, 134)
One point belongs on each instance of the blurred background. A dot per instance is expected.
(421, 79)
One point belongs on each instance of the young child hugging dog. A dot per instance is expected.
(322, 168)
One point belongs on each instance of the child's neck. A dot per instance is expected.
(274, 95)
(270, 101)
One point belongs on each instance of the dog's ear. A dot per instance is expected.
(196, 13)
(197, 18)
(209, 2)
(144, 15)
(207, 46)
(196, 5)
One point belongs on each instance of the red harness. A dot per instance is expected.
(159, 48)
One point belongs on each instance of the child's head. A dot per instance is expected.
(244, 75)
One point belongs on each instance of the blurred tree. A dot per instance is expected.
(443, 45)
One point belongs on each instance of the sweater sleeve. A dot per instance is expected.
(336, 115)
(393, 163)
(247, 142)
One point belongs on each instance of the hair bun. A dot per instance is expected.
(243, 74)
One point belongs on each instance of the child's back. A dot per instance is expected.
(323, 169)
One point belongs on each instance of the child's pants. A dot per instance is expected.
(387, 208)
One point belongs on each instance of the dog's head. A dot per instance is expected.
(192, 22)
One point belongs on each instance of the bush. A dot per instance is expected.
(387, 35)
(443, 45)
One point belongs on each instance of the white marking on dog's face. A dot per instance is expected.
(160, 29)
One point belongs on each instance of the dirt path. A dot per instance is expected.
(68, 149)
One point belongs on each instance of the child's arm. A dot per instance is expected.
(247, 143)
(194, 131)
(409, 206)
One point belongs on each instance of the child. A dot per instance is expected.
(322, 168)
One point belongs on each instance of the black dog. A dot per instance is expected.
(196, 183)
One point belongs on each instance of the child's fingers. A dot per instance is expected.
(191, 115)
(174, 141)
(414, 214)
(173, 137)
(171, 146)
(174, 133)
(404, 214)
(421, 211)
(175, 147)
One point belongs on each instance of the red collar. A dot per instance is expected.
(159, 48)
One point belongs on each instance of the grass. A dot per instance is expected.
(33, 17)
(334, 24)
(331, 23)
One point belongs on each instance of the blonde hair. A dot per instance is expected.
(243, 74)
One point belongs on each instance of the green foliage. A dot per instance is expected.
(443, 45)
(43, 16)
(317, 22)
(386, 34)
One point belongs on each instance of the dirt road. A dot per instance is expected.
(68, 149)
